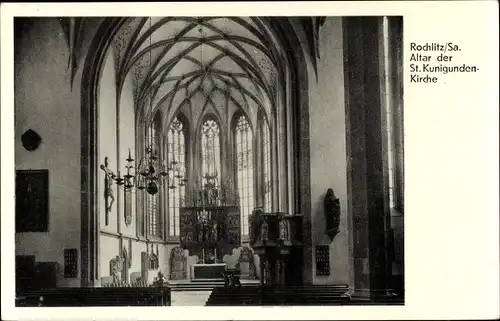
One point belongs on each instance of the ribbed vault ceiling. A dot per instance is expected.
(173, 60)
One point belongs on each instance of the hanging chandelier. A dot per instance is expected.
(152, 172)
(149, 175)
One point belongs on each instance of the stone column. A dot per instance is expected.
(365, 175)
(395, 38)
(395, 44)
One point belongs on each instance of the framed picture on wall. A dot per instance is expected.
(32, 200)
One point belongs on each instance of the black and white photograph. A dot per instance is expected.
(262, 160)
(209, 161)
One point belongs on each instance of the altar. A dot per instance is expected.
(208, 271)
(210, 232)
(210, 228)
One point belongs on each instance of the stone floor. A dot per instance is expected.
(196, 292)
(189, 298)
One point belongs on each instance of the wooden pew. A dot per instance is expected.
(280, 295)
(290, 295)
(104, 296)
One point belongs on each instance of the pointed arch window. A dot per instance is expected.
(151, 200)
(266, 166)
(244, 169)
(176, 158)
(211, 153)
(153, 262)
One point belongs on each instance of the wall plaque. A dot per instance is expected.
(32, 200)
(31, 140)
(322, 260)
(70, 263)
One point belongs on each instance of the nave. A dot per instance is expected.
(169, 160)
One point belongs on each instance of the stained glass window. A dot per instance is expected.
(176, 158)
(244, 170)
(151, 200)
(211, 155)
(266, 149)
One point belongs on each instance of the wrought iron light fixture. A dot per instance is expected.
(151, 172)
(149, 175)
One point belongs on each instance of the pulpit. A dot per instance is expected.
(277, 239)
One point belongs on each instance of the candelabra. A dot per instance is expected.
(176, 173)
(149, 175)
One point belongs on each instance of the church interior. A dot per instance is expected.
(209, 161)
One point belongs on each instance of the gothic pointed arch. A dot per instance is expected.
(262, 56)
(152, 201)
(153, 263)
(177, 157)
(211, 144)
(244, 166)
(265, 162)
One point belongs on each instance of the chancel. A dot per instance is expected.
(209, 161)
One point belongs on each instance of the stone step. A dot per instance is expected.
(205, 284)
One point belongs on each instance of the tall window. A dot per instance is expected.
(266, 166)
(176, 158)
(211, 156)
(244, 170)
(151, 199)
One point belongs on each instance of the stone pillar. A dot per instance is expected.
(395, 39)
(365, 170)
(395, 44)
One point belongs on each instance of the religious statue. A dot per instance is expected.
(159, 281)
(205, 196)
(220, 232)
(214, 195)
(214, 235)
(255, 225)
(108, 194)
(115, 266)
(283, 230)
(332, 214)
(201, 232)
(108, 191)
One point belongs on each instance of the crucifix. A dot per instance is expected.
(109, 198)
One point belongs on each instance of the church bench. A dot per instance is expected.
(56, 301)
(100, 293)
(279, 295)
(126, 296)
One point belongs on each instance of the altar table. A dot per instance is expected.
(209, 271)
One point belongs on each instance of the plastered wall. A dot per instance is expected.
(328, 149)
(46, 103)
